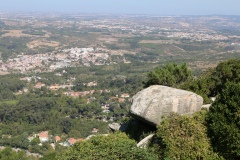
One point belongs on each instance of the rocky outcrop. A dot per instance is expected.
(206, 106)
(154, 102)
(143, 143)
(90, 136)
(114, 126)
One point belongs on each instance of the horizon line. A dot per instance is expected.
(98, 13)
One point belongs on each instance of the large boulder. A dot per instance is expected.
(154, 102)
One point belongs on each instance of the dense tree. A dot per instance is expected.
(11, 45)
(203, 85)
(212, 81)
(168, 75)
(224, 122)
(113, 146)
(59, 114)
(227, 71)
(10, 84)
(8, 154)
(50, 156)
(184, 137)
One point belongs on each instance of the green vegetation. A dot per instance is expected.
(211, 82)
(9, 85)
(12, 46)
(200, 138)
(42, 109)
(113, 146)
(194, 47)
(26, 110)
(223, 122)
(34, 32)
(8, 154)
(112, 46)
(184, 137)
(169, 75)
(58, 114)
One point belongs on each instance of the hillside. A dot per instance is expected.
(64, 78)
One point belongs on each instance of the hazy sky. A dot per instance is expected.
(160, 7)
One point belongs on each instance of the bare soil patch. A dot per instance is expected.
(3, 73)
(107, 40)
(157, 41)
(14, 33)
(42, 43)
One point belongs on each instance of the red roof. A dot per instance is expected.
(57, 138)
(43, 134)
(72, 140)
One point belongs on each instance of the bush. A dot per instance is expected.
(213, 81)
(113, 146)
(184, 137)
(224, 122)
(169, 75)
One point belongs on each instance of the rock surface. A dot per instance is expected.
(152, 103)
(206, 106)
(143, 143)
(114, 126)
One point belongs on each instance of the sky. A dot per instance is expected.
(154, 7)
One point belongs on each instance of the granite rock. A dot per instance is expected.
(154, 102)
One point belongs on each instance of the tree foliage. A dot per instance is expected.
(224, 122)
(8, 154)
(184, 137)
(227, 71)
(60, 115)
(168, 75)
(10, 84)
(113, 146)
(212, 81)
(204, 85)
